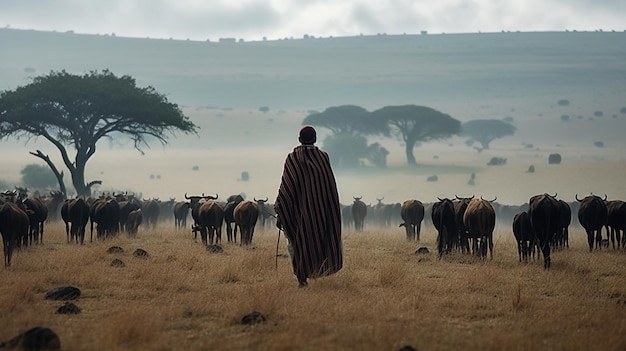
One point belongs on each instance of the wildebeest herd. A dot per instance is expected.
(464, 224)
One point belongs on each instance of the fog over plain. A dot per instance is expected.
(221, 86)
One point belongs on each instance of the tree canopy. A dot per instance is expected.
(347, 119)
(486, 130)
(414, 123)
(76, 111)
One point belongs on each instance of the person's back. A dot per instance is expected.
(308, 210)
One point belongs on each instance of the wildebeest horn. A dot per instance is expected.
(357, 197)
(210, 197)
(605, 197)
(439, 198)
(186, 197)
(577, 199)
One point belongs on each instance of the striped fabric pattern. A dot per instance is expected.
(308, 208)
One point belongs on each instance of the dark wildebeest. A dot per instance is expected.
(460, 205)
(359, 211)
(211, 217)
(229, 218)
(444, 220)
(181, 212)
(194, 205)
(562, 236)
(246, 214)
(264, 213)
(412, 213)
(76, 212)
(616, 221)
(126, 205)
(134, 220)
(37, 214)
(523, 235)
(151, 210)
(592, 216)
(14, 224)
(480, 221)
(544, 212)
(105, 212)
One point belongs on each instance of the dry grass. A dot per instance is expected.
(184, 298)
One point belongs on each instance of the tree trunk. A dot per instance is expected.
(410, 158)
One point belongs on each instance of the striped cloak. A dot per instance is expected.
(308, 208)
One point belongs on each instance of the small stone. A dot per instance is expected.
(140, 253)
(68, 308)
(117, 263)
(253, 318)
(63, 293)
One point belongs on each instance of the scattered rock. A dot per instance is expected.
(140, 253)
(253, 318)
(422, 250)
(34, 339)
(63, 293)
(496, 161)
(115, 249)
(531, 169)
(214, 248)
(68, 308)
(432, 178)
(117, 263)
(407, 348)
(554, 159)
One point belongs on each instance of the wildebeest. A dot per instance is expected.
(14, 224)
(76, 212)
(460, 205)
(444, 220)
(246, 214)
(592, 216)
(194, 205)
(545, 214)
(523, 235)
(127, 204)
(562, 236)
(359, 211)
(150, 209)
(480, 221)
(181, 212)
(264, 211)
(37, 214)
(134, 220)
(616, 221)
(229, 218)
(412, 213)
(105, 212)
(211, 217)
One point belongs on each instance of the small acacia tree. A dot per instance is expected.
(486, 130)
(74, 112)
(413, 123)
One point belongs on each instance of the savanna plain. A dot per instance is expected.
(182, 297)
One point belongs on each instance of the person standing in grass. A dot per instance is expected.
(308, 210)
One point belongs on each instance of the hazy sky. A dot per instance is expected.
(277, 19)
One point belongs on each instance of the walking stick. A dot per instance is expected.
(277, 241)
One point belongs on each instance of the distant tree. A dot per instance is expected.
(346, 119)
(264, 109)
(377, 155)
(346, 150)
(486, 130)
(563, 102)
(413, 123)
(37, 176)
(79, 110)
(623, 110)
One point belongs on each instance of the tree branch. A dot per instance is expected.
(57, 174)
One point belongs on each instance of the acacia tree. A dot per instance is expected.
(76, 111)
(346, 119)
(486, 130)
(349, 125)
(413, 123)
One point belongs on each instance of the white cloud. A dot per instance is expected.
(254, 19)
